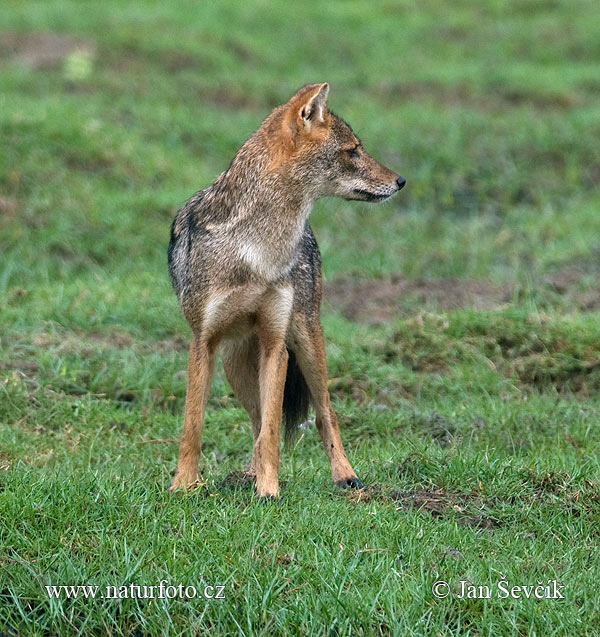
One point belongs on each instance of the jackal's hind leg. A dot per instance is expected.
(310, 353)
(200, 369)
(241, 361)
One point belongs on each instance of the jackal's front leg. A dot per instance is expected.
(273, 322)
(273, 367)
(200, 369)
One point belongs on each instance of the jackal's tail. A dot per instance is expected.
(296, 399)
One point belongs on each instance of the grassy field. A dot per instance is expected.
(462, 319)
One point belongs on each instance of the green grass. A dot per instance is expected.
(476, 432)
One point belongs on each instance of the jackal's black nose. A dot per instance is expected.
(400, 181)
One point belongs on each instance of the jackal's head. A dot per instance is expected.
(327, 155)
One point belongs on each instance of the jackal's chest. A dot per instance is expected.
(272, 252)
(235, 312)
(268, 262)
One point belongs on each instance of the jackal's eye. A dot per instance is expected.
(353, 152)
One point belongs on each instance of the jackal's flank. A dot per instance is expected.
(247, 271)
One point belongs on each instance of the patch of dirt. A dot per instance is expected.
(546, 482)
(180, 60)
(559, 101)
(237, 480)
(539, 354)
(40, 50)
(228, 98)
(131, 59)
(345, 386)
(380, 301)
(76, 160)
(468, 509)
(28, 367)
(537, 351)
(554, 489)
(86, 343)
(567, 282)
(553, 486)
(8, 209)
(560, 372)
(462, 94)
(421, 345)
(369, 301)
(241, 51)
(119, 340)
(5, 462)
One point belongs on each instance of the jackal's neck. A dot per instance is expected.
(257, 184)
(264, 210)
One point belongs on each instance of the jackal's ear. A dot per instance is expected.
(313, 109)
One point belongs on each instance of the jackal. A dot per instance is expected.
(247, 272)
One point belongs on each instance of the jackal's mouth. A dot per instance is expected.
(365, 195)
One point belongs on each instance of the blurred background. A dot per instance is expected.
(112, 115)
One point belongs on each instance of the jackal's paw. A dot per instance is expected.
(267, 496)
(267, 499)
(180, 484)
(350, 483)
(267, 492)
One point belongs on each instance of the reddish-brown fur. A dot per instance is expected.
(246, 269)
